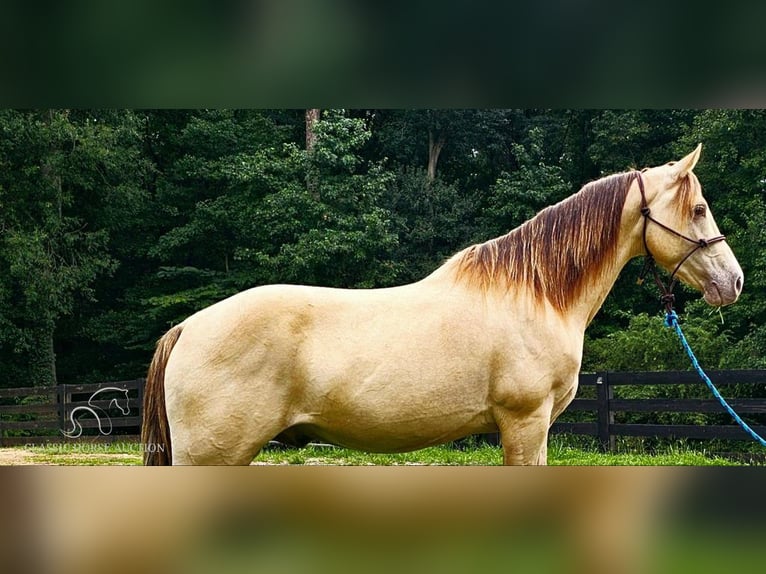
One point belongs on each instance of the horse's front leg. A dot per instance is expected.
(561, 402)
(524, 434)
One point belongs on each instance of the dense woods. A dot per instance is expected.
(117, 224)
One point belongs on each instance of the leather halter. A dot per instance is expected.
(650, 264)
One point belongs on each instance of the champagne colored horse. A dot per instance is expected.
(492, 340)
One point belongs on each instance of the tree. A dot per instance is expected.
(56, 164)
(213, 167)
(518, 195)
(116, 224)
(423, 138)
(625, 139)
(338, 234)
(312, 117)
(432, 220)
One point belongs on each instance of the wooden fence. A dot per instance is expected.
(39, 415)
(608, 406)
(36, 415)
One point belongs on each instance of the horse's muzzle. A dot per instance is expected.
(723, 291)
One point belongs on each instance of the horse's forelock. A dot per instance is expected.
(689, 190)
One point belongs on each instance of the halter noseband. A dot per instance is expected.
(650, 264)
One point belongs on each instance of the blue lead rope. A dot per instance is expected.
(671, 320)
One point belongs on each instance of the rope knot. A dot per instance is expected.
(703, 243)
(645, 211)
(671, 319)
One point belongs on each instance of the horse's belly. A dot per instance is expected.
(396, 418)
(394, 382)
(399, 436)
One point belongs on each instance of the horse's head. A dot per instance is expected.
(678, 230)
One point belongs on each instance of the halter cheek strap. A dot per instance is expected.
(651, 265)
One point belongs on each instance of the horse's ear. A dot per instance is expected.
(682, 167)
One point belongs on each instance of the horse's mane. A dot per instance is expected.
(557, 253)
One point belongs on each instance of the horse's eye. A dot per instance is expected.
(699, 210)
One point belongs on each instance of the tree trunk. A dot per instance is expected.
(435, 146)
(312, 184)
(312, 117)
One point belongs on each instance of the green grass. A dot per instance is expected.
(561, 451)
(560, 454)
(482, 455)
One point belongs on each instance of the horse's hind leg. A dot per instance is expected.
(542, 457)
(217, 448)
(219, 434)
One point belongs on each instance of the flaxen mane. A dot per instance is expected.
(557, 253)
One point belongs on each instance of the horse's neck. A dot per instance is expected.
(628, 247)
(592, 298)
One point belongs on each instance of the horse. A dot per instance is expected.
(490, 341)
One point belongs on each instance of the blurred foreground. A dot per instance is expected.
(325, 519)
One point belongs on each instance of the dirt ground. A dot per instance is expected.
(20, 456)
(14, 456)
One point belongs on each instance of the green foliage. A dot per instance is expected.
(432, 220)
(648, 345)
(56, 167)
(115, 224)
(633, 139)
(325, 223)
(533, 185)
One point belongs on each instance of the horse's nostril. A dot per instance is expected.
(738, 284)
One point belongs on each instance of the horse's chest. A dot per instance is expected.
(535, 374)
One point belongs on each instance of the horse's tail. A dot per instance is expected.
(155, 432)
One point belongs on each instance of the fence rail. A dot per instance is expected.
(33, 415)
(606, 406)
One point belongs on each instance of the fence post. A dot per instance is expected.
(604, 395)
(140, 384)
(62, 397)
